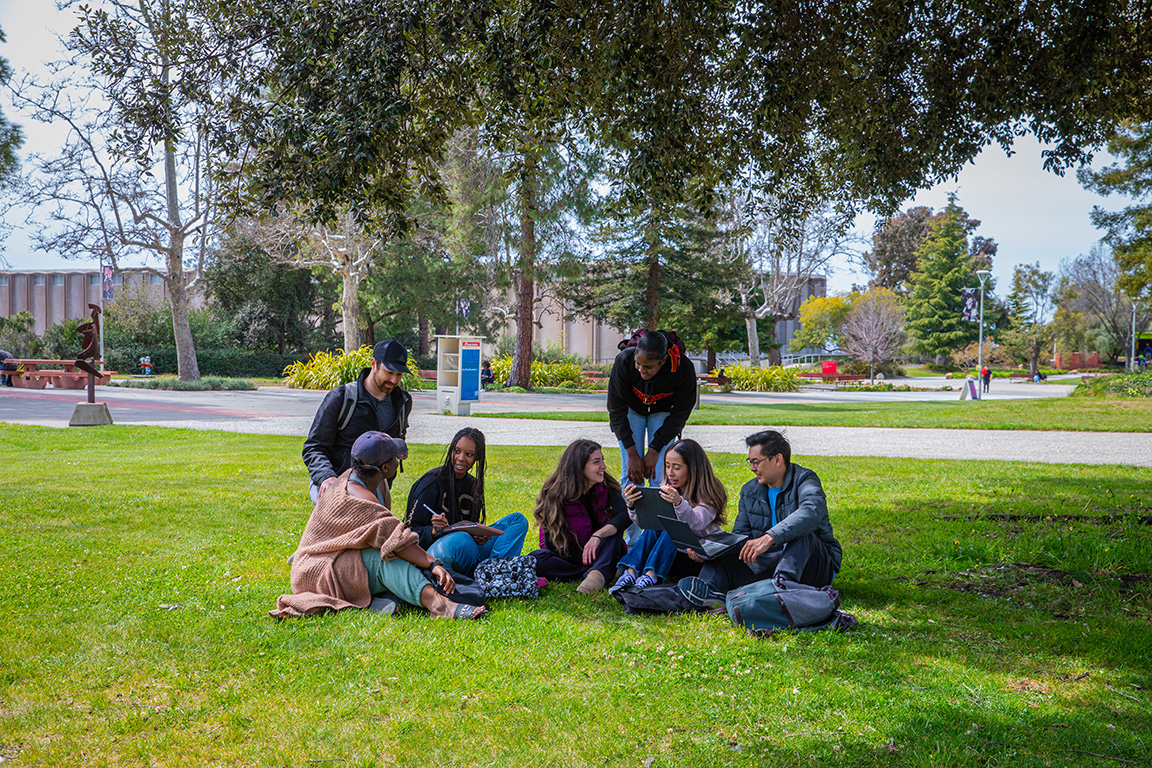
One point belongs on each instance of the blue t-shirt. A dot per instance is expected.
(772, 494)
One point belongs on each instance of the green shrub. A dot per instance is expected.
(774, 379)
(62, 340)
(543, 374)
(18, 337)
(327, 370)
(208, 383)
(233, 363)
(1132, 385)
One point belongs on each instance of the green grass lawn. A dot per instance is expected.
(138, 565)
(1055, 413)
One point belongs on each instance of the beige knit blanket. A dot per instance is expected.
(328, 573)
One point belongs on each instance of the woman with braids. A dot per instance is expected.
(651, 392)
(697, 497)
(448, 495)
(582, 517)
(353, 549)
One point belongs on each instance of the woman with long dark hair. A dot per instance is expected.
(450, 494)
(582, 517)
(697, 497)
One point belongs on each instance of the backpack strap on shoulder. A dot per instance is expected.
(348, 407)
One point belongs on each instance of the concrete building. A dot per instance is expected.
(53, 296)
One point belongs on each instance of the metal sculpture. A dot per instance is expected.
(90, 334)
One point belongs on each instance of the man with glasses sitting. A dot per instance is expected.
(785, 517)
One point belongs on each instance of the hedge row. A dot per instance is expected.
(234, 363)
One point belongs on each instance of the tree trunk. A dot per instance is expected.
(753, 341)
(872, 371)
(521, 374)
(350, 310)
(422, 344)
(711, 359)
(652, 288)
(187, 367)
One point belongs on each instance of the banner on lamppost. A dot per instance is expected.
(971, 311)
(106, 282)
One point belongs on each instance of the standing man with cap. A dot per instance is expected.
(374, 401)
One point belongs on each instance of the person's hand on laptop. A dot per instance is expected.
(693, 556)
(670, 494)
(753, 548)
(631, 495)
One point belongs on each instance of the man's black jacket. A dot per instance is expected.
(328, 449)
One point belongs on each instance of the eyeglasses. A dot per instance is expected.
(754, 463)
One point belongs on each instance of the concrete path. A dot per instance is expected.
(290, 412)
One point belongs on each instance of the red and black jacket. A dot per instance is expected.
(672, 389)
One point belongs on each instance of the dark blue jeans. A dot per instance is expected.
(806, 560)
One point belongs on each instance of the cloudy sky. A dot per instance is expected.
(1032, 214)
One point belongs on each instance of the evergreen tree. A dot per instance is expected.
(944, 269)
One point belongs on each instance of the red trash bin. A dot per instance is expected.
(828, 367)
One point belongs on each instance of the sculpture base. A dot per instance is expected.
(90, 415)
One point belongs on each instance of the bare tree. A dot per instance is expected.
(1092, 280)
(784, 252)
(118, 190)
(874, 329)
(343, 247)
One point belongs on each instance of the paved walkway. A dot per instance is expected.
(290, 412)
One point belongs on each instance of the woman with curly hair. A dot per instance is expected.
(582, 518)
(449, 494)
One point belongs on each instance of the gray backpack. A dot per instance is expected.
(765, 606)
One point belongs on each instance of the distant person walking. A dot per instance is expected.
(5, 356)
(986, 378)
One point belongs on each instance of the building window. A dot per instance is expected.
(93, 279)
(3, 279)
(155, 279)
(37, 279)
(57, 279)
(117, 279)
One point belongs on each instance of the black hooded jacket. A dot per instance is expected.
(328, 449)
(666, 391)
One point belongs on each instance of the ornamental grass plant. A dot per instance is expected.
(1004, 606)
(771, 379)
(326, 370)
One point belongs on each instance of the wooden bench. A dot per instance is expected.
(831, 378)
(719, 380)
(594, 377)
(33, 374)
(427, 375)
(1019, 376)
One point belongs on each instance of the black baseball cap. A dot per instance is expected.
(392, 355)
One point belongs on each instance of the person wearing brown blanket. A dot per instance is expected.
(353, 548)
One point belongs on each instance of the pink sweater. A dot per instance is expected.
(700, 518)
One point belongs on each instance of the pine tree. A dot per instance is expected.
(944, 269)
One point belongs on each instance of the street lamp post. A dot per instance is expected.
(1132, 354)
(983, 275)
